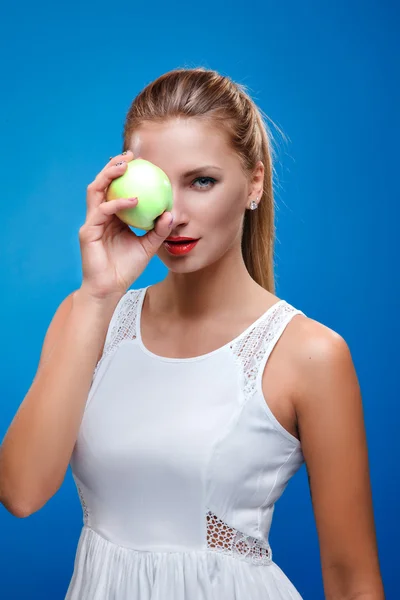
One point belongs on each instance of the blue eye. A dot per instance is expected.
(207, 180)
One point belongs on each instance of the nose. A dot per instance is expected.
(179, 212)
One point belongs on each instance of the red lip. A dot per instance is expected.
(181, 246)
(180, 239)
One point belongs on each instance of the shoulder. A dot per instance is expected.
(307, 343)
(318, 348)
(314, 344)
(323, 387)
(322, 366)
(315, 349)
(307, 364)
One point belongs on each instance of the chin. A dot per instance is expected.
(187, 263)
(190, 263)
(183, 264)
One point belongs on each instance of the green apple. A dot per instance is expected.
(150, 185)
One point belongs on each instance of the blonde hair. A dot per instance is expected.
(206, 94)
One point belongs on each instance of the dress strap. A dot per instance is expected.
(122, 325)
(252, 350)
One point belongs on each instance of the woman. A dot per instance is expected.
(157, 396)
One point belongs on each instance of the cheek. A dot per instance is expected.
(223, 213)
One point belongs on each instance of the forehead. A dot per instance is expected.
(182, 138)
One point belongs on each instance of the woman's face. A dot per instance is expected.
(210, 190)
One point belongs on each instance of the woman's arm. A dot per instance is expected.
(37, 447)
(331, 427)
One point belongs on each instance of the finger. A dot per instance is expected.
(96, 189)
(152, 240)
(108, 209)
(126, 155)
(94, 194)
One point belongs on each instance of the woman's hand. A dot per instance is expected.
(113, 256)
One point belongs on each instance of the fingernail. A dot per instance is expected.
(132, 199)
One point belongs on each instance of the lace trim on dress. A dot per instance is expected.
(250, 349)
(229, 541)
(83, 503)
(123, 325)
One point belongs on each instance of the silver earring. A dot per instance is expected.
(253, 204)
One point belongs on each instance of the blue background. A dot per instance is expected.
(327, 75)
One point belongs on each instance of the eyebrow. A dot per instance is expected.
(200, 169)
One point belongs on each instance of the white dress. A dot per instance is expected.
(178, 464)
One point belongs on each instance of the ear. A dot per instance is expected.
(256, 186)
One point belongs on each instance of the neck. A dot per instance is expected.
(222, 287)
